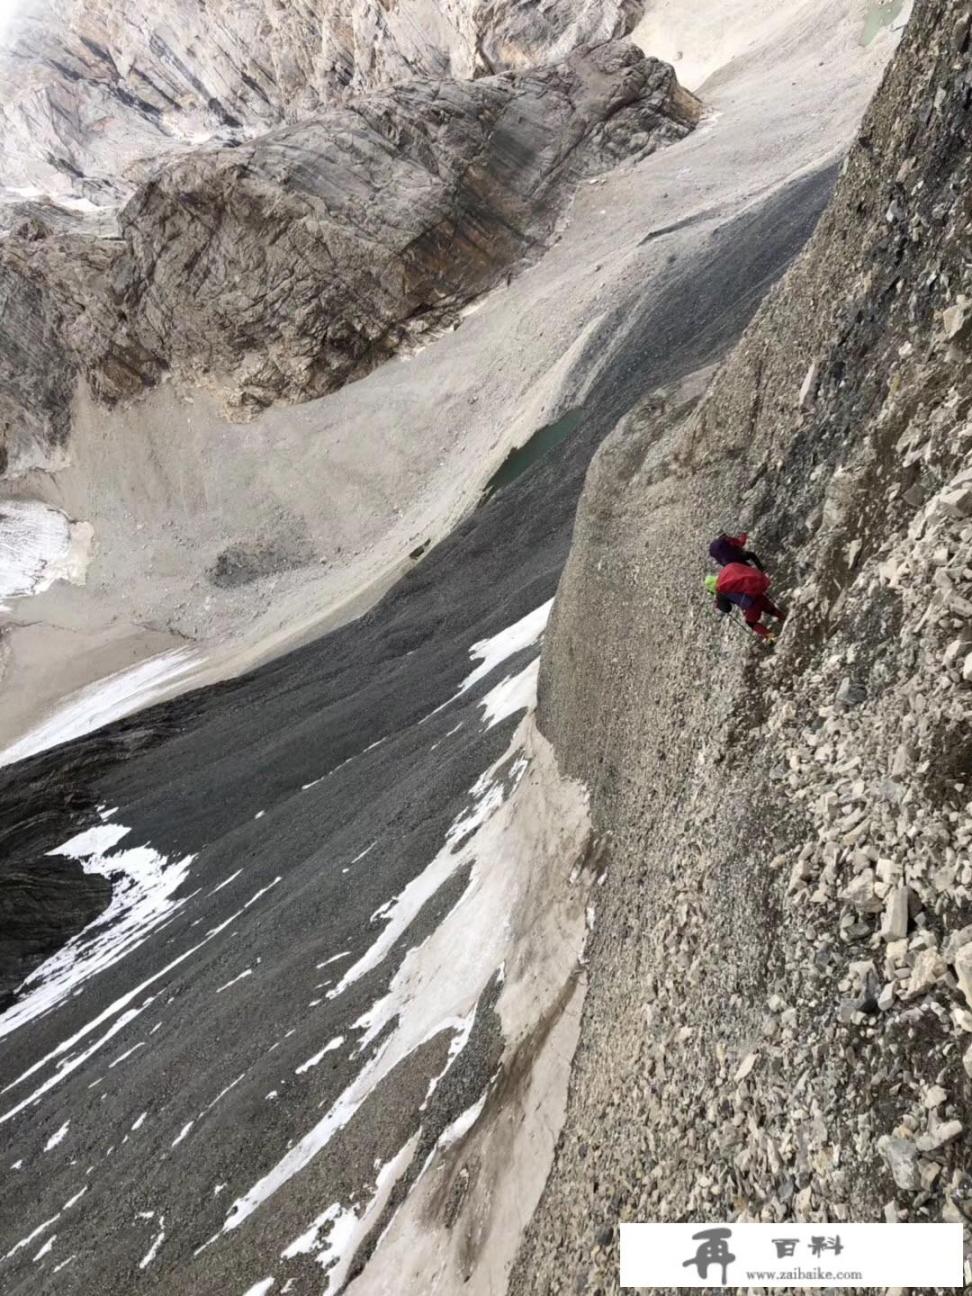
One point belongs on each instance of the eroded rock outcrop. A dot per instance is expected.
(282, 268)
(779, 1018)
(88, 101)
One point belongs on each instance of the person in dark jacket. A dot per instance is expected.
(726, 549)
(742, 586)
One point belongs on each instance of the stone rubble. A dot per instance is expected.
(789, 898)
(884, 883)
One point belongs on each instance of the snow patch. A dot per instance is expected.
(261, 1288)
(153, 1250)
(58, 1137)
(26, 1241)
(247, 972)
(45, 1249)
(308, 1242)
(232, 878)
(519, 922)
(313, 1061)
(222, 1093)
(462, 1028)
(515, 693)
(348, 1228)
(98, 704)
(143, 882)
(71, 1064)
(402, 909)
(333, 959)
(429, 993)
(300, 1155)
(381, 911)
(463, 1123)
(503, 645)
(42, 1228)
(35, 548)
(182, 1134)
(127, 1054)
(498, 648)
(73, 203)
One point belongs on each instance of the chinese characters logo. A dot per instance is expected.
(713, 1251)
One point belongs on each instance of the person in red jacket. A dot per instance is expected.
(745, 587)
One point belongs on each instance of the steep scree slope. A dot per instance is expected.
(780, 1015)
(283, 268)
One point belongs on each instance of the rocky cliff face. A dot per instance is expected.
(282, 268)
(88, 103)
(780, 1018)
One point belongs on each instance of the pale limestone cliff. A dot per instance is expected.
(91, 96)
(282, 268)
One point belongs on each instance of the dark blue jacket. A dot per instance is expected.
(727, 549)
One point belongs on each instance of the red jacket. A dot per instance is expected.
(740, 578)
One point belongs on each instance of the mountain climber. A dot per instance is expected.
(726, 549)
(744, 586)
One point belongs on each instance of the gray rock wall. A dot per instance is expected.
(85, 100)
(779, 1023)
(36, 371)
(281, 269)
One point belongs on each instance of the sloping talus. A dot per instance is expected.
(780, 1018)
